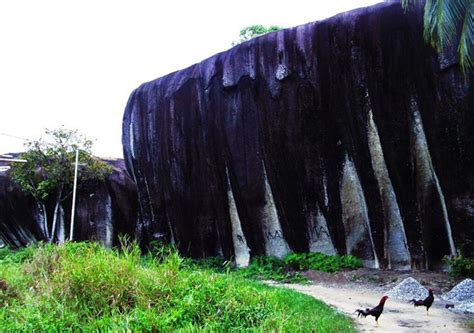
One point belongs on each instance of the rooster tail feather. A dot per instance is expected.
(362, 312)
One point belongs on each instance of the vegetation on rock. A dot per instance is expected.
(253, 31)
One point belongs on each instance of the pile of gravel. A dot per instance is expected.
(463, 307)
(408, 289)
(463, 291)
(462, 295)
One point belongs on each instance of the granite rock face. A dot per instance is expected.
(347, 135)
(104, 211)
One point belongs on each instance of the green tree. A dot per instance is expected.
(254, 31)
(48, 174)
(447, 22)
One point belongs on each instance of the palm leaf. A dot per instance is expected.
(466, 40)
(441, 21)
(444, 21)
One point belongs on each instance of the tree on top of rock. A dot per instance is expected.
(254, 31)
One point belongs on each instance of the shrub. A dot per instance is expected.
(260, 268)
(282, 270)
(322, 262)
(271, 268)
(461, 266)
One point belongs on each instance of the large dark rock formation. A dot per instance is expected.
(104, 210)
(349, 135)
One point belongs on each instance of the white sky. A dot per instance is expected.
(74, 63)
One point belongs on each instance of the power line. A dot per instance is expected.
(14, 136)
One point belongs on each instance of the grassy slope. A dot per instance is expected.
(82, 286)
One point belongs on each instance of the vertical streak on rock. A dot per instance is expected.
(318, 233)
(152, 211)
(396, 248)
(109, 228)
(103, 224)
(26, 235)
(172, 237)
(425, 173)
(132, 148)
(61, 228)
(355, 217)
(12, 239)
(325, 190)
(41, 217)
(130, 127)
(241, 250)
(275, 243)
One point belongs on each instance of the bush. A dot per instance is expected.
(461, 266)
(282, 270)
(322, 262)
(271, 268)
(260, 268)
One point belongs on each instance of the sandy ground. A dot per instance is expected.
(398, 316)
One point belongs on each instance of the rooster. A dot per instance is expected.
(428, 301)
(376, 312)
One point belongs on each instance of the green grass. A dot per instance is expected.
(85, 287)
(282, 270)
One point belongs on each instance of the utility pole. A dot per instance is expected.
(74, 196)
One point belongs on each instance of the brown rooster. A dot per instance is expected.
(376, 312)
(428, 301)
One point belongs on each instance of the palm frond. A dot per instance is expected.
(447, 22)
(441, 21)
(410, 4)
(466, 40)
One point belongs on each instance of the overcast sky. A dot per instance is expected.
(74, 63)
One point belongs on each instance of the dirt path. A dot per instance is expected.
(398, 316)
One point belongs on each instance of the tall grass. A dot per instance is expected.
(85, 287)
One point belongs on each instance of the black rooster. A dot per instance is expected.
(428, 301)
(376, 312)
